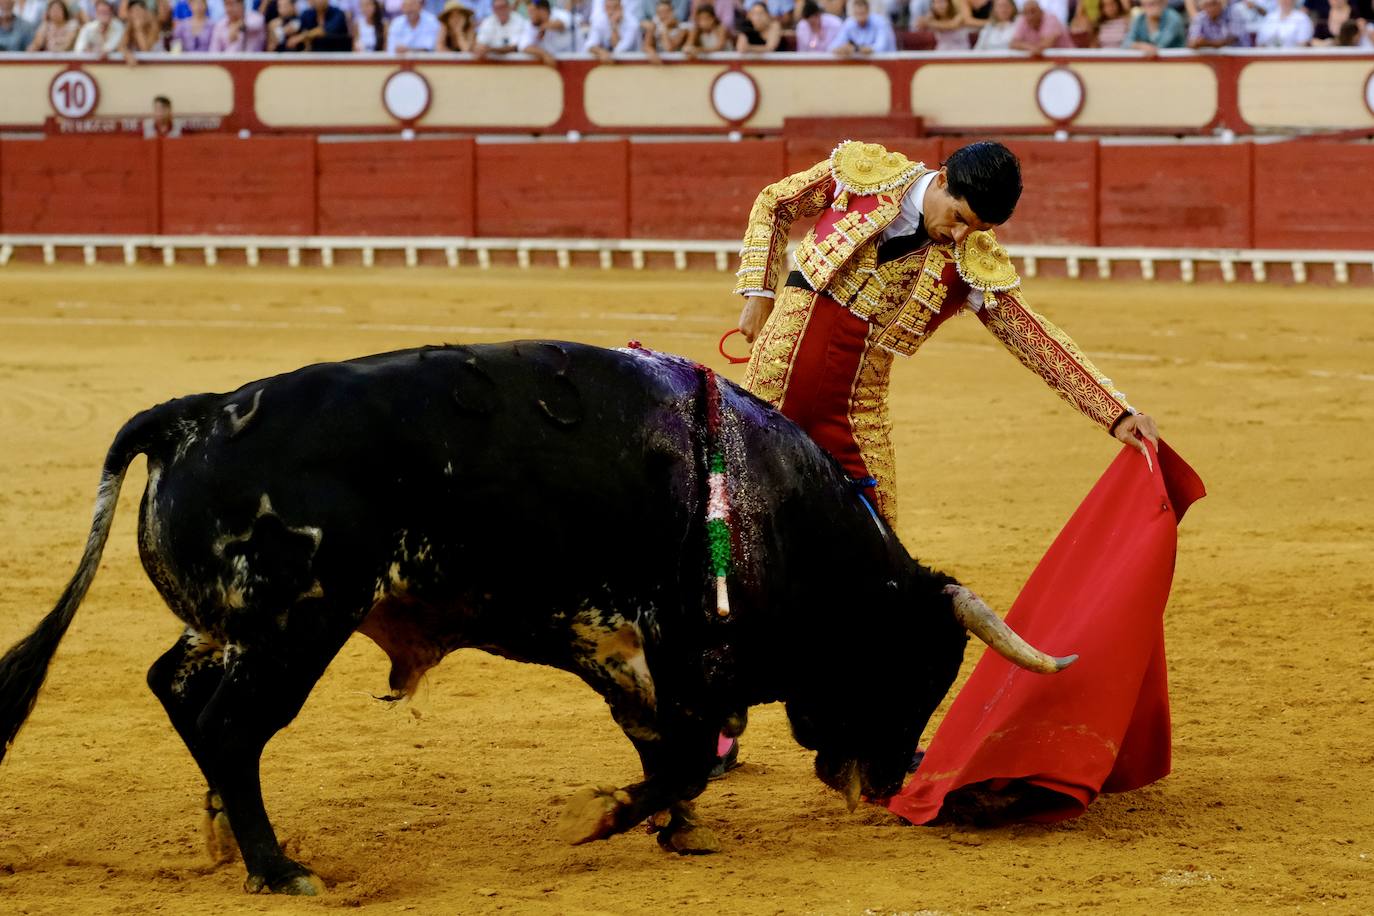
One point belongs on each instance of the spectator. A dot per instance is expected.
(1354, 35)
(864, 33)
(996, 35)
(284, 29)
(416, 29)
(1113, 22)
(916, 11)
(16, 34)
(725, 12)
(1157, 26)
(664, 34)
(948, 24)
(1059, 9)
(161, 124)
(1212, 28)
(214, 10)
(500, 32)
(1038, 29)
(141, 31)
(1328, 27)
(370, 27)
(785, 11)
(760, 32)
(57, 34)
(613, 33)
(977, 12)
(239, 30)
(324, 28)
(817, 29)
(458, 28)
(549, 32)
(707, 34)
(31, 11)
(192, 34)
(1286, 27)
(103, 34)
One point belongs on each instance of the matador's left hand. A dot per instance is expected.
(1145, 425)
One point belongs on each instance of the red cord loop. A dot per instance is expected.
(735, 360)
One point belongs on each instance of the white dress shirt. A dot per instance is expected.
(552, 40)
(493, 33)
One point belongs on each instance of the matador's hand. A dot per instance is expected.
(1143, 424)
(755, 313)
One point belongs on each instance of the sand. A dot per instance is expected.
(446, 804)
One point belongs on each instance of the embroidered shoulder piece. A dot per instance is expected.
(867, 168)
(984, 264)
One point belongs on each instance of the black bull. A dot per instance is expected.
(541, 501)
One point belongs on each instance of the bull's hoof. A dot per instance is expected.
(298, 884)
(220, 844)
(689, 840)
(590, 814)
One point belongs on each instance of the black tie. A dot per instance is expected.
(903, 245)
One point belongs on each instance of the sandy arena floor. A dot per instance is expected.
(445, 805)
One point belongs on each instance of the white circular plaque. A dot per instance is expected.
(1369, 93)
(73, 94)
(1060, 94)
(406, 95)
(734, 95)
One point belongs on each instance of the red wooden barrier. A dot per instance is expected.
(570, 190)
(79, 185)
(223, 185)
(1175, 196)
(396, 188)
(698, 190)
(1314, 195)
(1058, 203)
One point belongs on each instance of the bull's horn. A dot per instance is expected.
(983, 622)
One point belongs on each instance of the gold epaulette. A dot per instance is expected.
(868, 168)
(984, 264)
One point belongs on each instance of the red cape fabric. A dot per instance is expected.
(1102, 724)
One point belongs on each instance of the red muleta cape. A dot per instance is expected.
(1102, 724)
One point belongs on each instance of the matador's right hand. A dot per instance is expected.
(755, 313)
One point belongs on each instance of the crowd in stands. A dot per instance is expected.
(549, 29)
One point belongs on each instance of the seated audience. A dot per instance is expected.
(1157, 26)
(1354, 34)
(31, 11)
(760, 33)
(324, 27)
(416, 29)
(708, 33)
(142, 34)
(103, 34)
(500, 33)
(1328, 27)
(1036, 29)
(817, 29)
(948, 24)
(549, 32)
(192, 33)
(284, 29)
(665, 33)
(785, 11)
(457, 28)
(57, 34)
(613, 33)
(976, 12)
(369, 30)
(239, 30)
(864, 33)
(1286, 27)
(1001, 25)
(1212, 28)
(16, 33)
(1113, 23)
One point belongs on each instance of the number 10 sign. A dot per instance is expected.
(73, 94)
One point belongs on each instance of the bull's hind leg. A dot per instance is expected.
(184, 679)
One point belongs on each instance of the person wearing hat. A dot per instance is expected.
(458, 28)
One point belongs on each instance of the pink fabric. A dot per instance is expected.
(1050, 28)
(1102, 724)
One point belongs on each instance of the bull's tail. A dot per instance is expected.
(24, 667)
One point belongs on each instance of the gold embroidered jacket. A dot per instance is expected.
(907, 298)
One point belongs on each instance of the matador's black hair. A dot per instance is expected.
(987, 176)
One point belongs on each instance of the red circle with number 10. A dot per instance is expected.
(73, 94)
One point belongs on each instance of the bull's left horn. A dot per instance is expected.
(983, 622)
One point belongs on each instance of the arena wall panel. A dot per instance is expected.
(70, 185)
(571, 190)
(1175, 196)
(1332, 209)
(224, 185)
(698, 190)
(396, 188)
(1059, 202)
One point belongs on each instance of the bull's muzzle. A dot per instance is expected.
(980, 620)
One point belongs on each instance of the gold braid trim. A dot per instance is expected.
(868, 168)
(765, 239)
(1048, 352)
(871, 425)
(984, 264)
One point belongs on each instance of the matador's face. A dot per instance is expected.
(948, 218)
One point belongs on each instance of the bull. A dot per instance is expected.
(544, 502)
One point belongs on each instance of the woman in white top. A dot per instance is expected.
(947, 22)
(1285, 27)
(996, 34)
(103, 34)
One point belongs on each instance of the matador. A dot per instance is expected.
(898, 248)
